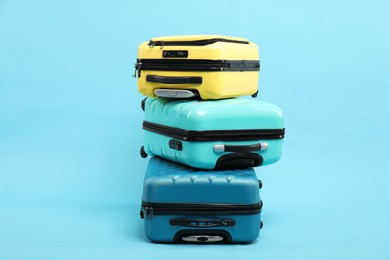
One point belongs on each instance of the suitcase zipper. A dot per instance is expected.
(192, 43)
(195, 65)
(149, 209)
(214, 135)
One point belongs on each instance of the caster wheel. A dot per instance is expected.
(260, 184)
(202, 239)
(255, 94)
(143, 153)
(261, 224)
(143, 104)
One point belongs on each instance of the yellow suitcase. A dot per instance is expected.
(208, 66)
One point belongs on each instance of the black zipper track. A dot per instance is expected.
(198, 65)
(201, 209)
(193, 43)
(214, 135)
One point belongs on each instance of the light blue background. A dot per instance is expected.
(70, 126)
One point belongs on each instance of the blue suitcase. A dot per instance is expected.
(215, 134)
(184, 204)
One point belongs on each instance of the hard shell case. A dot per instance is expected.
(180, 203)
(214, 134)
(213, 66)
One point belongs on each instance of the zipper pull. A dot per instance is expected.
(151, 44)
(137, 69)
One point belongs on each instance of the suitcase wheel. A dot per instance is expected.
(202, 236)
(143, 104)
(260, 184)
(261, 224)
(255, 94)
(143, 153)
(141, 214)
(202, 239)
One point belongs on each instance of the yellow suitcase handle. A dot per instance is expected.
(174, 80)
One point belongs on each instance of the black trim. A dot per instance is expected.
(204, 232)
(193, 43)
(214, 135)
(238, 161)
(197, 65)
(210, 209)
(173, 80)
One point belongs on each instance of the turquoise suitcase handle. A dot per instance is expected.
(173, 80)
(240, 148)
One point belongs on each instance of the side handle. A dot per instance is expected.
(174, 80)
(220, 148)
(202, 223)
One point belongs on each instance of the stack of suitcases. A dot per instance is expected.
(204, 138)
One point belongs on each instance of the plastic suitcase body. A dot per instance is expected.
(181, 203)
(213, 66)
(215, 134)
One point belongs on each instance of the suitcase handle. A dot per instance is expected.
(178, 238)
(220, 148)
(238, 161)
(174, 80)
(202, 223)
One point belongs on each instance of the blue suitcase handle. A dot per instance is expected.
(202, 223)
(173, 80)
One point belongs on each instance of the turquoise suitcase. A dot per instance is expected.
(214, 134)
(183, 204)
